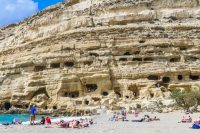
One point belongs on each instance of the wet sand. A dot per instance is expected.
(167, 124)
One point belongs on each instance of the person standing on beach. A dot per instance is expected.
(32, 112)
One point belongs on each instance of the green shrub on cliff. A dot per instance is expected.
(186, 98)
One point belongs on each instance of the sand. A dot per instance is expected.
(168, 124)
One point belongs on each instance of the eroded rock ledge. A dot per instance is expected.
(87, 54)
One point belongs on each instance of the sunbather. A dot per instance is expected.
(186, 120)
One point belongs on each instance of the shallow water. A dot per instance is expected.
(7, 118)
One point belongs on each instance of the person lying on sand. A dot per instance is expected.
(186, 120)
(155, 119)
(63, 124)
(41, 122)
(147, 118)
(82, 123)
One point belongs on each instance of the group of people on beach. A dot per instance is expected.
(188, 119)
(75, 123)
(80, 123)
(117, 116)
(86, 122)
(123, 116)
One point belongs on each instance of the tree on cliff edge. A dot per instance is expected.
(186, 98)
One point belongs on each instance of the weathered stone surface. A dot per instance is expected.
(88, 54)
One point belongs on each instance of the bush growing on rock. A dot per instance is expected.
(186, 98)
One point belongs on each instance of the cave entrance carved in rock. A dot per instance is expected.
(55, 65)
(194, 77)
(166, 79)
(117, 91)
(153, 77)
(69, 64)
(134, 90)
(39, 68)
(7, 105)
(91, 87)
(73, 94)
(40, 91)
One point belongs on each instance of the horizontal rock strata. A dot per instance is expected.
(86, 54)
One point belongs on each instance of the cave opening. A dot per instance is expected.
(153, 77)
(39, 68)
(117, 91)
(127, 97)
(69, 64)
(94, 54)
(134, 90)
(74, 94)
(87, 102)
(55, 65)
(54, 107)
(96, 99)
(194, 77)
(26, 106)
(148, 59)
(180, 77)
(166, 80)
(123, 59)
(151, 95)
(105, 93)
(183, 48)
(137, 59)
(41, 90)
(7, 105)
(127, 53)
(138, 106)
(88, 63)
(91, 87)
(174, 60)
(142, 41)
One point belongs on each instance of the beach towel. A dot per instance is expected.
(5, 124)
(136, 121)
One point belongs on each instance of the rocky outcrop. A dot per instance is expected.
(88, 54)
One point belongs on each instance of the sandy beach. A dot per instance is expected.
(168, 124)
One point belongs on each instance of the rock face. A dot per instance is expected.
(86, 54)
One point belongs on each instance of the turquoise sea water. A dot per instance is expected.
(7, 118)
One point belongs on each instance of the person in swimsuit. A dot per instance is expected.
(32, 112)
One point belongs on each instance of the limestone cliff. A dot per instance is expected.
(84, 54)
